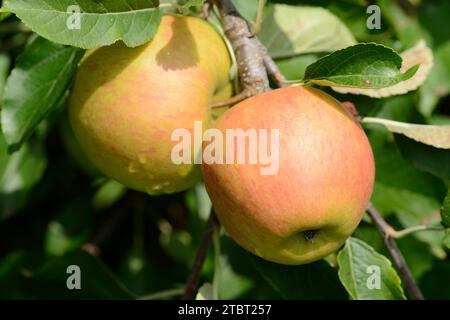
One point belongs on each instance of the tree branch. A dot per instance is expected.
(202, 251)
(384, 229)
(272, 68)
(249, 56)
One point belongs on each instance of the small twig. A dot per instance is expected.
(202, 251)
(233, 100)
(384, 229)
(104, 232)
(217, 264)
(163, 294)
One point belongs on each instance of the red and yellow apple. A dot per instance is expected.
(307, 209)
(126, 102)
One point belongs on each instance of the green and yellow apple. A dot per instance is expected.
(126, 102)
(307, 208)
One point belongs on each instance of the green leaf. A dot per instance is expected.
(419, 54)
(205, 292)
(445, 211)
(247, 8)
(367, 274)
(89, 24)
(412, 195)
(232, 284)
(108, 194)
(36, 85)
(19, 172)
(424, 157)
(436, 136)
(292, 30)
(366, 65)
(311, 281)
(437, 85)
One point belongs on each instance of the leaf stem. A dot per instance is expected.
(259, 16)
(406, 232)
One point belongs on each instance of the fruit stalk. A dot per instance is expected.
(202, 251)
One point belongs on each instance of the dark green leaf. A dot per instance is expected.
(365, 65)
(97, 282)
(90, 24)
(36, 85)
(424, 157)
(15, 271)
(311, 281)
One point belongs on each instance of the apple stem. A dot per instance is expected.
(384, 229)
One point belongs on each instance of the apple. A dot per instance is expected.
(126, 102)
(313, 203)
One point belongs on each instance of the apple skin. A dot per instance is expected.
(318, 197)
(126, 102)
